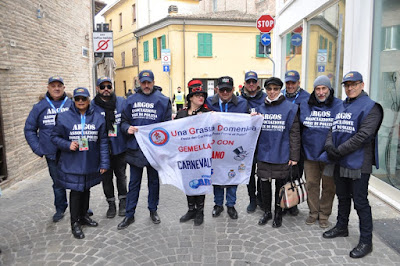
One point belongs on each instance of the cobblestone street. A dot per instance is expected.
(29, 237)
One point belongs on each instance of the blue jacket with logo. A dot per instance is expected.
(301, 97)
(236, 105)
(80, 170)
(255, 101)
(316, 120)
(40, 123)
(141, 109)
(117, 143)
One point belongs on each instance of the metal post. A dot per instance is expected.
(338, 51)
(273, 63)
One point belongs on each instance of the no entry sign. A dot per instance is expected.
(103, 42)
(265, 23)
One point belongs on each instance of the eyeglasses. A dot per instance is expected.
(225, 90)
(351, 85)
(197, 89)
(273, 88)
(251, 81)
(102, 87)
(80, 98)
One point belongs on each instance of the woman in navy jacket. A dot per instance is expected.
(81, 138)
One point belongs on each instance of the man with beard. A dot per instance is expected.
(110, 106)
(252, 93)
(147, 106)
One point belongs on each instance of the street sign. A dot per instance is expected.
(296, 39)
(321, 68)
(265, 39)
(103, 43)
(166, 68)
(166, 56)
(322, 56)
(265, 23)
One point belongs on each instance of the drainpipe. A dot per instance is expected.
(138, 61)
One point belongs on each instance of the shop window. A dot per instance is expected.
(123, 59)
(392, 38)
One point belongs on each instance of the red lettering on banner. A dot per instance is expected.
(225, 142)
(194, 148)
(220, 127)
(218, 154)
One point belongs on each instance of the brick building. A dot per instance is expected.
(38, 40)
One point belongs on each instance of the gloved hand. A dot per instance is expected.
(333, 153)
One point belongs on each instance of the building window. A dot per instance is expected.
(120, 21)
(123, 59)
(163, 45)
(133, 13)
(330, 52)
(258, 54)
(125, 87)
(146, 51)
(391, 38)
(155, 51)
(134, 57)
(110, 24)
(204, 44)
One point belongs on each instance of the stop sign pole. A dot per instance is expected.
(265, 24)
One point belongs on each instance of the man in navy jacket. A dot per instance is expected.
(110, 106)
(38, 127)
(254, 96)
(147, 106)
(226, 101)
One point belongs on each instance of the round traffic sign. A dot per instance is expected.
(296, 39)
(265, 39)
(265, 23)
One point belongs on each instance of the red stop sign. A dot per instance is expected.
(265, 23)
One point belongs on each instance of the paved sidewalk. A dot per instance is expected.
(29, 237)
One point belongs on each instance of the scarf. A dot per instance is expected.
(109, 108)
(290, 95)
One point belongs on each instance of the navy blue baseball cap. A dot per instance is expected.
(352, 76)
(146, 75)
(103, 79)
(80, 91)
(250, 75)
(56, 78)
(292, 75)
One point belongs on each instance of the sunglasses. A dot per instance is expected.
(80, 98)
(274, 88)
(225, 90)
(251, 81)
(102, 87)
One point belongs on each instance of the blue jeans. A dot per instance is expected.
(346, 189)
(60, 195)
(230, 195)
(134, 188)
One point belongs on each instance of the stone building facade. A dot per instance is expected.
(37, 41)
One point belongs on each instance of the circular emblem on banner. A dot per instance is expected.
(159, 136)
(231, 173)
(194, 183)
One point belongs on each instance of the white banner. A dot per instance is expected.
(195, 152)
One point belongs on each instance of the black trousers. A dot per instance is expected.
(254, 187)
(118, 167)
(78, 204)
(357, 189)
(266, 192)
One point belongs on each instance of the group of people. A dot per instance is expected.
(86, 143)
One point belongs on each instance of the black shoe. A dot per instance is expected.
(335, 232)
(88, 221)
(112, 209)
(217, 210)
(232, 212)
(294, 211)
(126, 222)
(188, 216)
(77, 230)
(361, 250)
(252, 206)
(265, 218)
(58, 216)
(199, 219)
(277, 217)
(155, 218)
(122, 207)
(90, 212)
